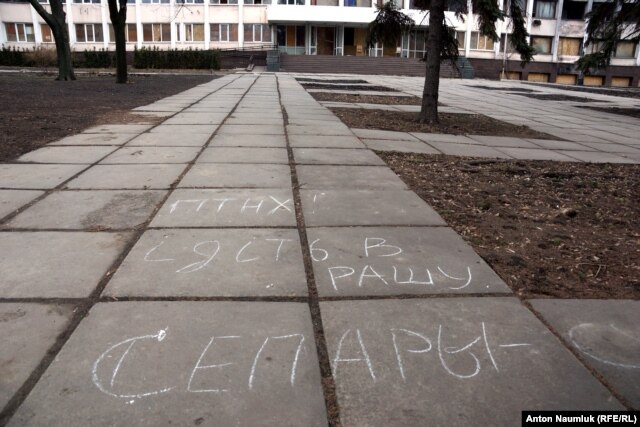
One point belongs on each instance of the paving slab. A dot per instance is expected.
(468, 150)
(211, 175)
(89, 210)
(606, 333)
(183, 363)
(278, 141)
(560, 145)
(536, 154)
(348, 177)
(366, 207)
(227, 208)
(361, 261)
(325, 141)
(169, 139)
(612, 148)
(401, 146)
(443, 137)
(11, 200)
(184, 129)
(244, 155)
(336, 156)
(95, 139)
(128, 177)
(35, 177)
(384, 134)
(335, 129)
(452, 361)
(203, 118)
(27, 332)
(503, 141)
(221, 262)
(135, 155)
(596, 157)
(71, 155)
(251, 130)
(127, 128)
(56, 264)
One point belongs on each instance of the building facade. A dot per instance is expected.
(313, 27)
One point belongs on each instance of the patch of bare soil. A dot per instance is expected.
(556, 97)
(450, 123)
(308, 80)
(624, 92)
(37, 109)
(503, 89)
(354, 87)
(631, 112)
(562, 230)
(366, 99)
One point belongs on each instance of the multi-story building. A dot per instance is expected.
(323, 27)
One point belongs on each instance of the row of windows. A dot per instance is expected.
(92, 33)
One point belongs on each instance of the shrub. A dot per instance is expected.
(12, 57)
(98, 59)
(41, 57)
(176, 59)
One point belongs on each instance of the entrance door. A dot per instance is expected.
(339, 44)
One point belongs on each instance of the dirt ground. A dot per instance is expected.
(549, 229)
(37, 109)
(354, 87)
(456, 124)
(366, 99)
(631, 112)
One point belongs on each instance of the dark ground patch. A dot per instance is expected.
(504, 89)
(624, 92)
(557, 97)
(562, 230)
(450, 123)
(346, 81)
(370, 88)
(631, 112)
(366, 99)
(37, 109)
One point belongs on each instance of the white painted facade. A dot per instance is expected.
(203, 25)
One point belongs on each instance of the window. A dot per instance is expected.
(625, 50)
(544, 9)
(193, 32)
(189, 1)
(18, 32)
(47, 35)
(357, 3)
(130, 33)
(573, 9)
(155, 1)
(542, 44)
(224, 33)
(510, 48)
(480, 42)
(460, 35)
(414, 44)
(257, 2)
(156, 32)
(89, 33)
(223, 1)
(257, 33)
(292, 2)
(569, 46)
(86, 1)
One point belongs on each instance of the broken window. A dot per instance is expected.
(569, 46)
(542, 44)
(573, 9)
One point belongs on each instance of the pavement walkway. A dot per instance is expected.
(249, 261)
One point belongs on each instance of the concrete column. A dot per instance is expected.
(529, 18)
(104, 7)
(241, 23)
(70, 25)
(138, 25)
(37, 31)
(307, 38)
(207, 27)
(556, 36)
(470, 24)
(499, 27)
(340, 3)
(172, 13)
(3, 33)
(637, 54)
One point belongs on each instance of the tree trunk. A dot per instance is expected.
(119, 21)
(429, 111)
(58, 23)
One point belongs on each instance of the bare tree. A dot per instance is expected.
(56, 19)
(118, 14)
(441, 41)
